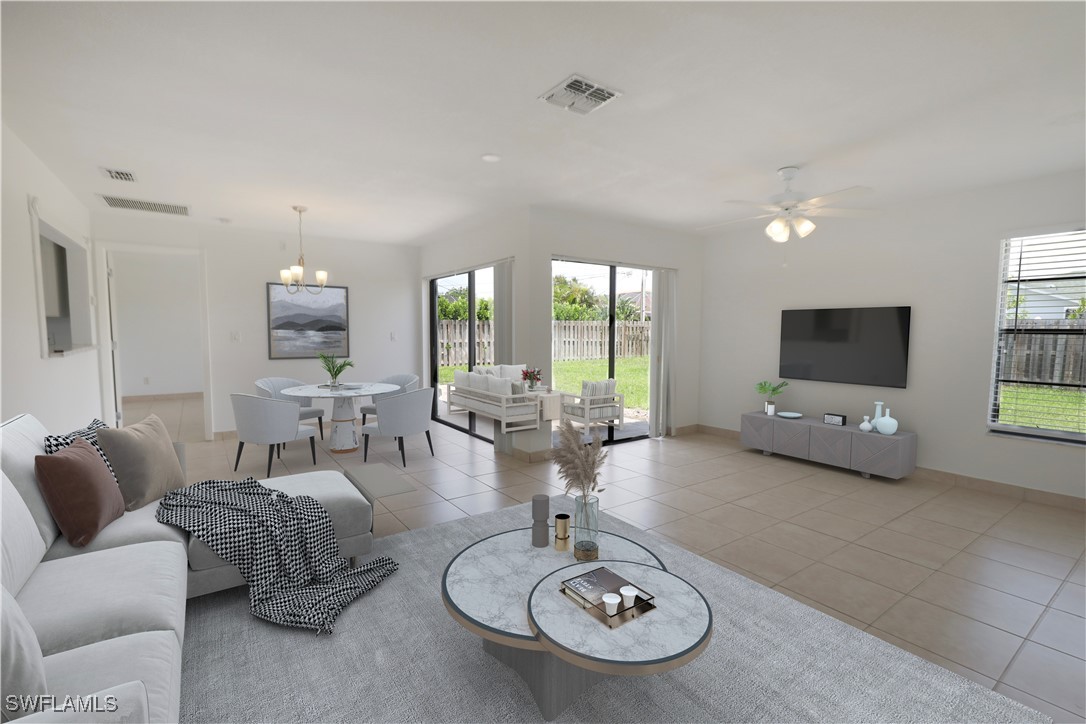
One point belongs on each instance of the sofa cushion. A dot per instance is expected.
(135, 526)
(83, 599)
(486, 369)
(80, 491)
(144, 460)
(513, 371)
(56, 443)
(22, 671)
(460, 378)
(477, 381)
(23, 440)
(153, 657)
(500, 385)
(598, 389)
(23, 547)
(349, 510)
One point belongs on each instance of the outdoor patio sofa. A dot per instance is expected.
(496, 392)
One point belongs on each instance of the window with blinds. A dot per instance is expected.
(1039, 366)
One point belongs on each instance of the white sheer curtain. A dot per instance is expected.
(503, 312)
(662, 349)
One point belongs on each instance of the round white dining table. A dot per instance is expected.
(344, 437)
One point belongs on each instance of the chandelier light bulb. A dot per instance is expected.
(778, 230)
(803, 226)
(293, 279)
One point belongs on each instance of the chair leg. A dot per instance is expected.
(279, 450)
(430, 443)
(313, 448)
(403, 455)
(320, 424)
(238, 460)
(365, 447)
(271, 456)
(363, 418)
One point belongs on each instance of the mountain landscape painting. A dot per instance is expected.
(303, 324)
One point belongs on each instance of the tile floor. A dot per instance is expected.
(988, 586)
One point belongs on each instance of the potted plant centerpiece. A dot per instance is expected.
(334, 367)
(579, 465)
(770, 390)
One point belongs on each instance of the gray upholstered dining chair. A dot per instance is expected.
(399, 416)
(406, 382)
(266, 421)
(273, 387)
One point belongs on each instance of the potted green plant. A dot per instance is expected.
(579, 465)
(334, 367)
(770, 390)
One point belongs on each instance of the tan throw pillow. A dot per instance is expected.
(79, 490)
(144, 460)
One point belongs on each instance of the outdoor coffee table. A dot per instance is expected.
(507, 592)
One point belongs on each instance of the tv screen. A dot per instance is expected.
(856, 346)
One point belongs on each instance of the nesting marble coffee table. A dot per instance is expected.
(507, 592)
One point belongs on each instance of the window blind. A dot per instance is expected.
(1039, 364)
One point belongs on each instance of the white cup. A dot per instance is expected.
(610, 603)
(629, 593)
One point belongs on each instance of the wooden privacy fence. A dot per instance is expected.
(1040, 353)
(569, 341)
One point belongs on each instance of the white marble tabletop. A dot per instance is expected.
(346, 389)
(488, 583)
(677, 628)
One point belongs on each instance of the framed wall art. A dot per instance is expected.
(301, 325)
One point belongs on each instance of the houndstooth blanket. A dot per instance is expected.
(284, 546)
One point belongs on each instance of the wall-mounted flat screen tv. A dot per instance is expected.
(856, 346)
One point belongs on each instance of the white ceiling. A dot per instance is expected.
(375, 115)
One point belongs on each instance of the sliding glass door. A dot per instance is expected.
(462, 335)
(600, 330)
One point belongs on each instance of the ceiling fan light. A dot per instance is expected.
(778, 229)
(803, 226)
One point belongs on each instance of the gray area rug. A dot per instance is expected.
(397, 656)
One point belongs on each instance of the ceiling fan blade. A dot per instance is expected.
(733, 221)
(842, 213)
(835, 196)
(754, 204)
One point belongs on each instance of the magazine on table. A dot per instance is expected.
(589, 587)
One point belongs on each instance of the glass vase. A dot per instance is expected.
(586, 528)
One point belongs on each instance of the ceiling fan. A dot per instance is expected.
(792, 210)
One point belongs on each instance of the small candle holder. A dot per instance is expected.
(561, 532)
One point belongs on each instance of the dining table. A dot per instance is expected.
(344, 437)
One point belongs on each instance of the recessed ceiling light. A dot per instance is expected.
(491, 157)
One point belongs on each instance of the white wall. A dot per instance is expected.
(156, 303)
(381, 279)
(534, 236)
(62, 392)
(940, 256)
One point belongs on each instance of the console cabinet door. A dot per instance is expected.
(756, 430)
(889, 456)
(791, 438)
(831, 445)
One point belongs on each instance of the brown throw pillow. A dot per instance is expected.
(79, 490)
(144, 460)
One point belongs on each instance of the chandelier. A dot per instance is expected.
(294, 278)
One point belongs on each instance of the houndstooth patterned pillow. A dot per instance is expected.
(56, 443)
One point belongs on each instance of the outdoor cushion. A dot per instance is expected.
(597, 413)
(23, 547)
(152, 657)
(513, 371)
(91, 597)
(485, 370)
(500, 386)
(477, 381)
(460, 378)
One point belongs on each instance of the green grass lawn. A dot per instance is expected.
(632, 374)
(1051, 408)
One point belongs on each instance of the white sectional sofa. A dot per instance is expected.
(490, 391)
(108, 619)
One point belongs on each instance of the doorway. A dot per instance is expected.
(601, 330)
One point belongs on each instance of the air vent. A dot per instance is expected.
(115, 202)
(115, 175)
(579, 95)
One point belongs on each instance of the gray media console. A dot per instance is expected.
(870, 453)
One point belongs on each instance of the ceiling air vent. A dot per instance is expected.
(580, 95)
(115, 175)
(115, 202)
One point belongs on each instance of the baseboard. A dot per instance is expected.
(133, 399)
(1018, 492)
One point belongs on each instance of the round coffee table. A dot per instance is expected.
(507, 592)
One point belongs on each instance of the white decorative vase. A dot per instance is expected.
(886, 424)
(866, 425)
(771, 408)
(878, 413)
